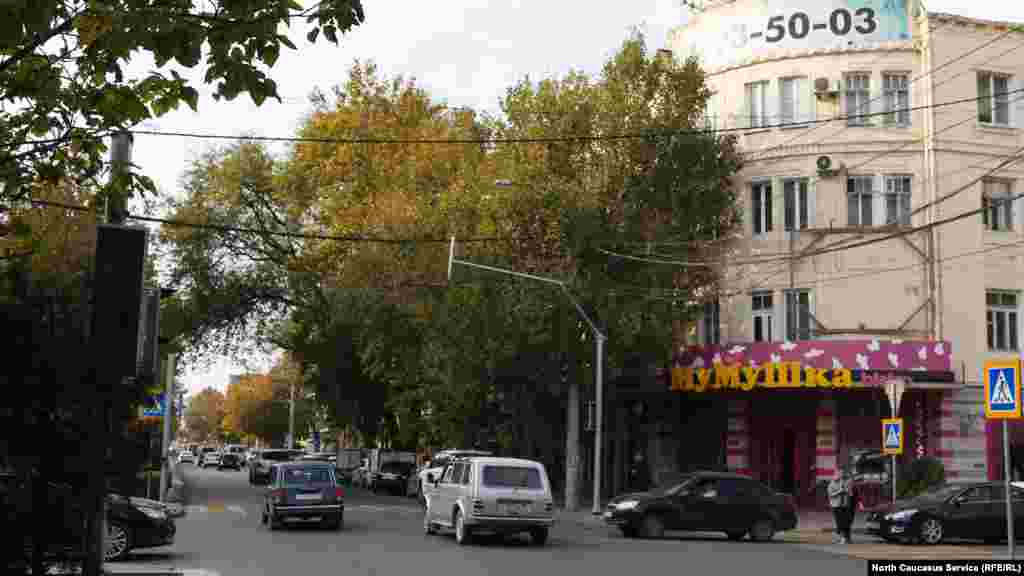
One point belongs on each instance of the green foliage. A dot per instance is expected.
(919, 476)
(63, 86)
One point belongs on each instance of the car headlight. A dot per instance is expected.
(153, 513)
(901, 515)
(627, 505)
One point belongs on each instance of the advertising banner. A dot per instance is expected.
(746, 29)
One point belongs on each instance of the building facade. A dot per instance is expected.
(881, 244)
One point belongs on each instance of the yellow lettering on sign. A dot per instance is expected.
(682, 379)
(783, 374)
(727, 376)
(769, 375)
(794, 374)
(842, 378)
(815, 378)
(751, 374)
(703, 377)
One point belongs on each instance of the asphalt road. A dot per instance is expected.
(383, 535)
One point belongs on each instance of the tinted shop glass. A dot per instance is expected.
(300, 477)
(396, 468)
(512, 477)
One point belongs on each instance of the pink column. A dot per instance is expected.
(826, 444)
(737, 443)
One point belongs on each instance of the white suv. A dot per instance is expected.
(437, 465)
(493, 495)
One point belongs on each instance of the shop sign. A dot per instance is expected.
(767, 375)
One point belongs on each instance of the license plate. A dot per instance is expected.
(872, 525)
(513, 508)
(307, 496)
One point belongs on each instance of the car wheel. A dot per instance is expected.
(931, 531)
(736, 535)
(117, 543)
(462, 535)
(539, 536)
(762, 530)
(263, 517)
(653, 526)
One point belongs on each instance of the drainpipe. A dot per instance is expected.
(934, 211)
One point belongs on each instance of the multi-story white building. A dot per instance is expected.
(861, 120)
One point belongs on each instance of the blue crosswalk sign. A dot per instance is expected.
(156, 409)
(1002, 388)
(892, 436)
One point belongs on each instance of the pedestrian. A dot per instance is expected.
(842, 499)
(639, 474)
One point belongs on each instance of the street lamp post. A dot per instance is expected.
(291, 415)
(599, 339)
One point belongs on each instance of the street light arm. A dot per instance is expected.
(579, 308)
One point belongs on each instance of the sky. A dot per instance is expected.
(465, 52)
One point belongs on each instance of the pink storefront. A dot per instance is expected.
(798, 410)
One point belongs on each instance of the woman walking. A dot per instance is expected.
(843, 501)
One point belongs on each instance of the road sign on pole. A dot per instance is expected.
(1002, 402)
(892, 436)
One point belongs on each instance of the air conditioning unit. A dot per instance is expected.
(823, 87)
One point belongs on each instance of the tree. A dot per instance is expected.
(204, 415)
(63, 87)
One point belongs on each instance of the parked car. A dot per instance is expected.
(437, 465)
(259, 470)
(187, 456)
(706, 502)
(133, 523)
(209, 459)
(229, 460)
(303, 490)
(975, 511)
(393, 477)
(490, 495)
(319, 457)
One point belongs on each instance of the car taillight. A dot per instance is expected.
(279, 495)
(339, 493)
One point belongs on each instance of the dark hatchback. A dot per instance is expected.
(967, 511)
(133, 523)
(304, 491)
(230, 460)
(393, 477)
(705, 502)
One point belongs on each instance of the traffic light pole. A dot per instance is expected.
(599, 339)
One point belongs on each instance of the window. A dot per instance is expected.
(300, 476)
(794, 200)
(712, 336)
(980, 494)
(897, 200)
(761, 202)
(858, 98)
(896, 89)
(465, 474)
(859, 197)
(1001, 318)
(798, 315)
(447, 478)
(997, 201)
(756, 104)
(761, 305)
(993, 99)
(789, 100)
(512, 477)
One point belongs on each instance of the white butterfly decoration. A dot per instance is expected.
(717, 358)
(874, 346)
(788, 346)
(923, 353)
(862, 362)
(776, 358)
(698, 362)
(894, 360)
(813, 353)
(736, 349)
(836, 364)
(940, 349)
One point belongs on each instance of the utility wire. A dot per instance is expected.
(553, 139)
(298, 235)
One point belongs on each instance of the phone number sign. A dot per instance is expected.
(742, 30)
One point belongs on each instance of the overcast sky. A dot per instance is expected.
(465, 52)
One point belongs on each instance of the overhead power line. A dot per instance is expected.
(553, 139)
(297, 235)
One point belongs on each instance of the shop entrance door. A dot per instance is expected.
(784, 453)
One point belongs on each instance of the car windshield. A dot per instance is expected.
(301, 476)
(277, 456)
(512, 477)
(396, 467)
(941, 492)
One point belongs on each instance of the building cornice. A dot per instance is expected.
(901, 46)
(894, 146)
(994, 25)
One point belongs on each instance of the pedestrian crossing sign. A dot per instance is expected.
(892, 436)
(1002, 388)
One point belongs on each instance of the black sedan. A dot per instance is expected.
(705, 502)
(132, 523)
(230, 460)
(967, 511)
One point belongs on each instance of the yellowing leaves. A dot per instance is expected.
(91, 26)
